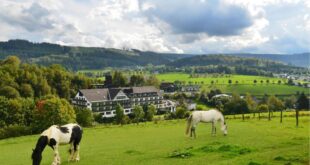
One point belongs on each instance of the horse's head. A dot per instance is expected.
(36, 157)
(37, 152)
(224, 129)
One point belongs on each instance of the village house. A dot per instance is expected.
(104, 100)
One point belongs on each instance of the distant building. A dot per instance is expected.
(104, 100)
(169, 87)
(220, 95)
(189, 88)
(191, 106)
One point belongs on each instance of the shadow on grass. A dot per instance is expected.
(225, 150)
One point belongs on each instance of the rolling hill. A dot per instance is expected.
(77, 58)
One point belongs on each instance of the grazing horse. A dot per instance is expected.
(55, 135)
(211, 116)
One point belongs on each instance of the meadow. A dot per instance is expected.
(248, 142)
(245, 83)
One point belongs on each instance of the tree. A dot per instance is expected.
(255, 81)
(4, 108)
(9, 92)
(136, 80)
(290, 82)
(262, 108)
(153, 81)
(251, 103)
(119, 80)
(275, 104)
(180, 112)
(138, 113)
(290, 102)
(151, 111)
(302, 103)
(119, 114)
(229, 82)
(26, 90)
(236, 105)
(52, 110)
(84, 116)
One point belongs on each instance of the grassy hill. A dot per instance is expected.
(77, 58)
(251, 141)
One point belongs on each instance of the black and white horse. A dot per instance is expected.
(56, 135)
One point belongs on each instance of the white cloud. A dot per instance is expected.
(275, 26)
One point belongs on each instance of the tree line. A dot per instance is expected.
(33, 97)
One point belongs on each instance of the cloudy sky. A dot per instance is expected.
(182, 26)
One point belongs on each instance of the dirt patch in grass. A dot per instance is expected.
(187, 153)
(289, 159)
(253, 163)
(133, 152)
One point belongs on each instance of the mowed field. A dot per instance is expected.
(251, 141)
(245, 84)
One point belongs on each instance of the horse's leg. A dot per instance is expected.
(71, 150)
(77, 157)
(193, 131)
(213, 128)
(56, 155)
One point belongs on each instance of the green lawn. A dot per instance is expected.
(248, 142)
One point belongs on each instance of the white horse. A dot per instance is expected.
(211, 116)
(55, 135)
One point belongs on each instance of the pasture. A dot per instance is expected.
(251, 141)
(245, 83)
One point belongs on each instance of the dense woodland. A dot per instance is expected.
(78, 58)
(234, 65)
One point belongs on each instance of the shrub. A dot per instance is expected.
(14, 131)
(84, 116)
(180, 112)
(52, 110)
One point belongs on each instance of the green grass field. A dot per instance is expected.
(245, 84)
(251, 141)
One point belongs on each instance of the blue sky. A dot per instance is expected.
(182, 26)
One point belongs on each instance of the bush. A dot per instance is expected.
(14, 131)
(180, 112)
(170, 116)
(52, 110)
(84, 116)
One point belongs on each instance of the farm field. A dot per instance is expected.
(245, 84)
(251, 141)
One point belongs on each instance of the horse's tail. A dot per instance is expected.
(189, 123)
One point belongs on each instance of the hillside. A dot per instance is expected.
(302, 59)
(236, 63)
(77, 58)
